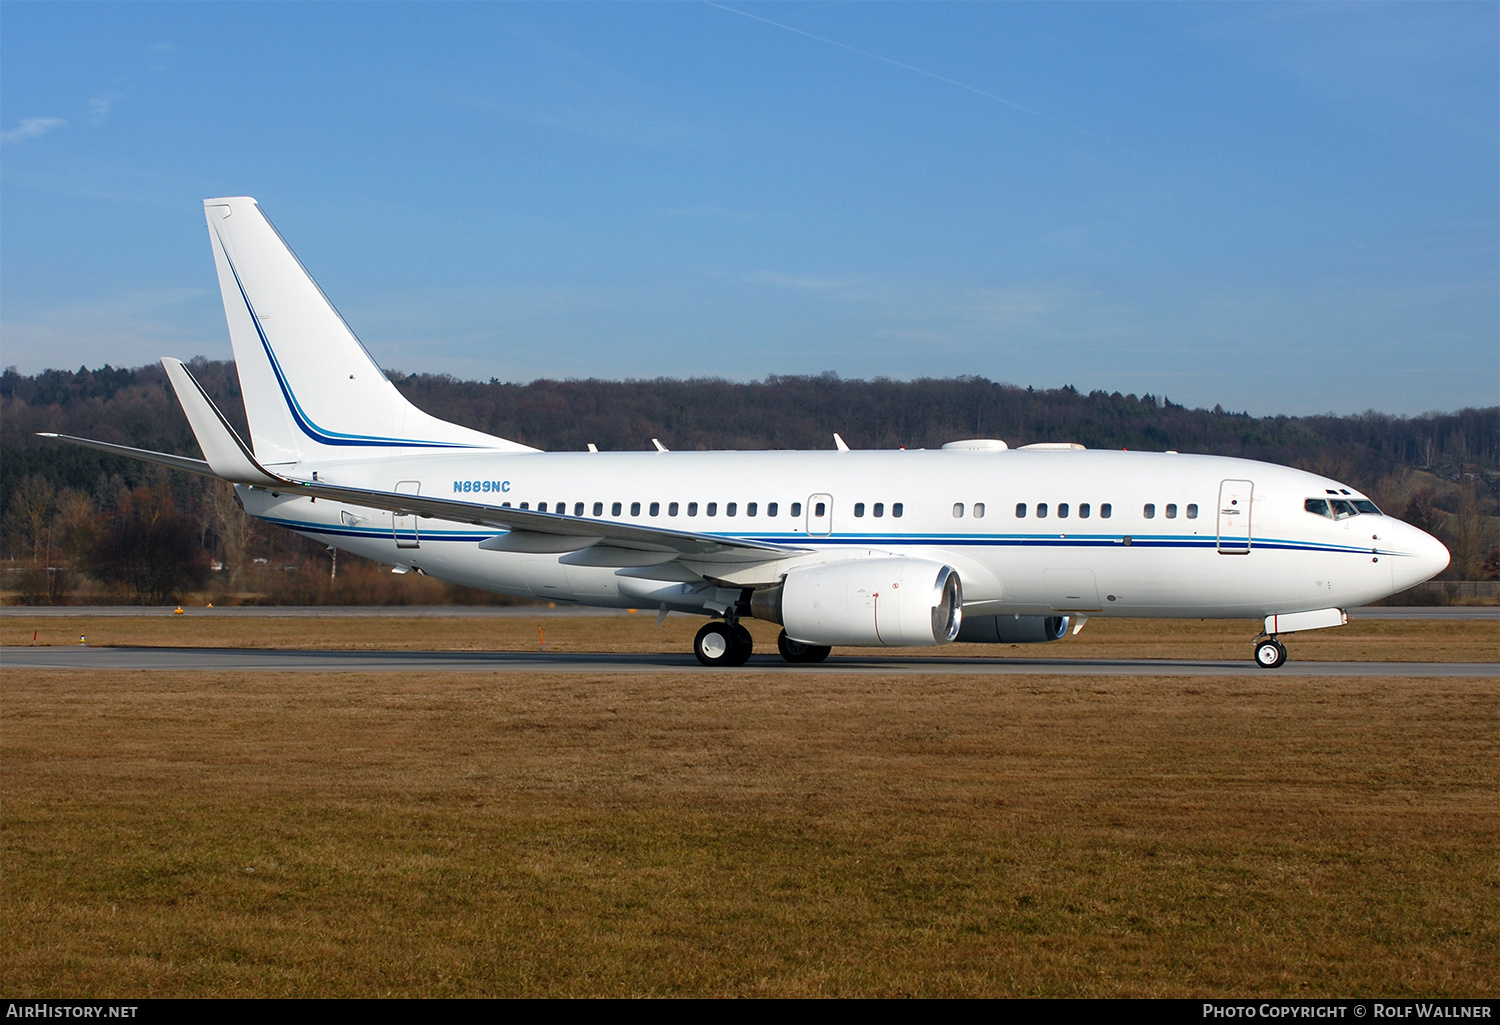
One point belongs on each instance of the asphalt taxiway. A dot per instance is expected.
(276, 660)
(1446, 612)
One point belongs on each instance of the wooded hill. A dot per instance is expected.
(1439, 469)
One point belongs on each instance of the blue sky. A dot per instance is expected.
(1276, 207)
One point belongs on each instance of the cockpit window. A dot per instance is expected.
(1340, 508)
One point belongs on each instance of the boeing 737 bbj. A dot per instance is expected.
(973, 542)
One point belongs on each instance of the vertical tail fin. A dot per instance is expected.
(311, 390)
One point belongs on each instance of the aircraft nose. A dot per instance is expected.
(1426, 557)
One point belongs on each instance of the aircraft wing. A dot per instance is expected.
(230, 459)
(536, 528)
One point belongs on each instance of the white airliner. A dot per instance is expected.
(973, 542)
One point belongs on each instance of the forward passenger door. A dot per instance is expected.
(1234, 517)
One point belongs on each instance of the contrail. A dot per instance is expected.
(905, 67)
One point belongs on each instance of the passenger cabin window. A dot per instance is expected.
(750, 508)
(729, 509)
(654, 509)
(671, 508)
(1020, 510)
(796, 508)
(1041, 510)
(577, 508)
(1084, 510)
(614, 510)
(1062, 510)
(1149, 511)
(525, 505)
(1171, 510)
(898, 509)
(541, 507)
(635, 508)
(859, 508)
(598, 508)
(713, 508)
(692, 508)
(879, 509)
(958, 510)
(1192, 511)
(771, 509)
(1106, 510)
(979, 510)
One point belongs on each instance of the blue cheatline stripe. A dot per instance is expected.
(904, 540)
(322, 435)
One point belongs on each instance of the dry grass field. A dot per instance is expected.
(1360, 640)
(734, 833)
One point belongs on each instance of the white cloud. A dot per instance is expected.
(129, 328)
(30, 128)
(801, 282)
(99, 106)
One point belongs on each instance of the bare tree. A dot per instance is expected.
(234, 528)
(30, 516)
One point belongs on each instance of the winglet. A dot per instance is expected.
(223, 449)
(839, 443)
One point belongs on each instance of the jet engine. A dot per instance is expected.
(895, 602)
(1012, 629)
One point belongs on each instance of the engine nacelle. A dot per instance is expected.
(895, 602)
(1012, 629)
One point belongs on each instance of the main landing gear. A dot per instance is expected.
(798, 652)
(729, 644)
(1270, 653)
(723, 644)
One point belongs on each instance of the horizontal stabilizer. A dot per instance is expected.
(176, 462)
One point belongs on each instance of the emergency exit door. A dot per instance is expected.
(820, 515)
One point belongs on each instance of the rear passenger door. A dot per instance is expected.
(405, 527)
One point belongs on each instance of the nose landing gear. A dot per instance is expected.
(1270, 653)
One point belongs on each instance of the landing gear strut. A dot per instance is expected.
(723, 644)
(1270, 653)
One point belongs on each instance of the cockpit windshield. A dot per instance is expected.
(1340, 508)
